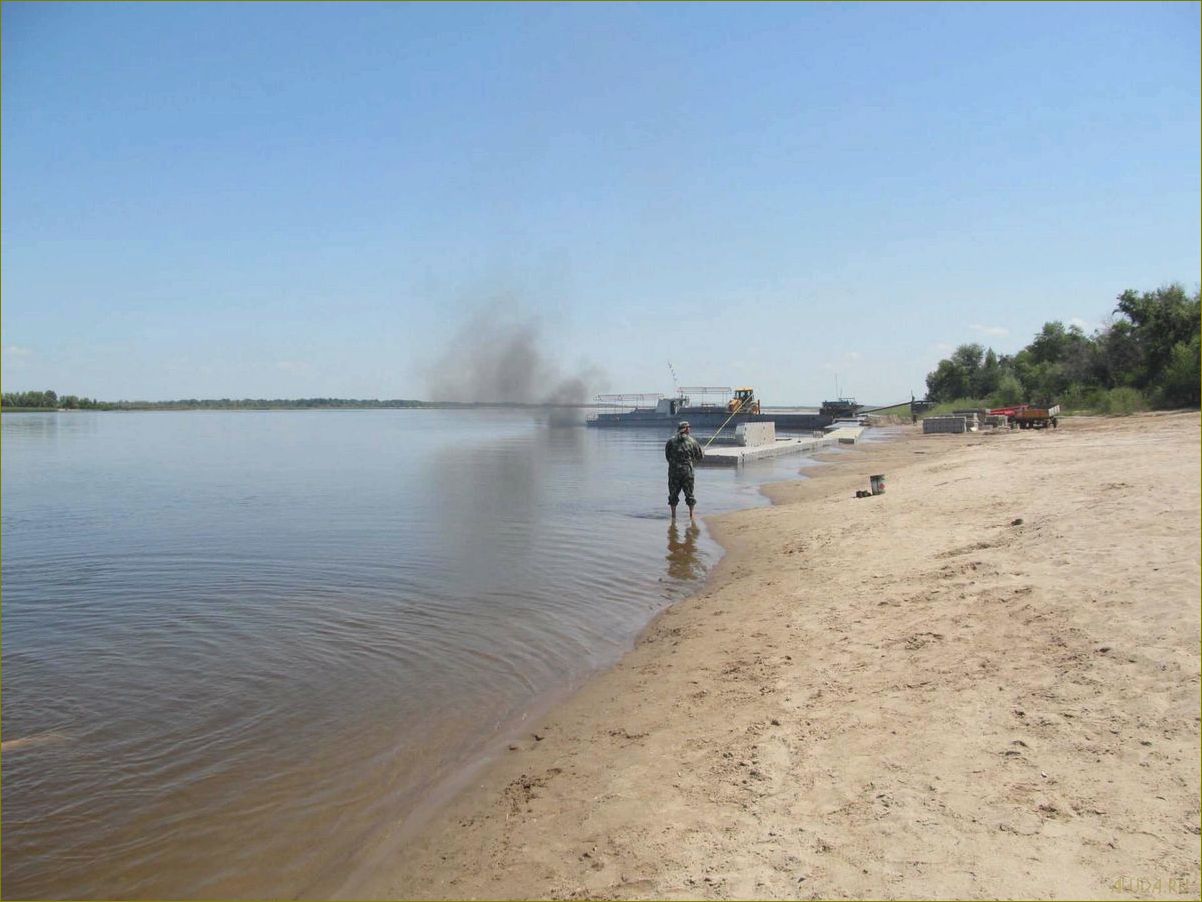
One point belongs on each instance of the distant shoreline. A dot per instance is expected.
(334, 404)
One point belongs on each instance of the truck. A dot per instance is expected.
(1028, 416)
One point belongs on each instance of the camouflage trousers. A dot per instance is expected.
(680, 481)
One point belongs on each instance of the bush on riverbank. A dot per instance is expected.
(1096, 402)
(1148, 356)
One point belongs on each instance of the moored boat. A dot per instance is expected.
(657, 411)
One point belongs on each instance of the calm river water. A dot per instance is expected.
(238, 644)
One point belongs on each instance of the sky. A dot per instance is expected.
(316, 200)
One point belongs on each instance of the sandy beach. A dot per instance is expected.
(983, 683)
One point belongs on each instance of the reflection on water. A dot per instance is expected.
(683, 561)
(237, 643)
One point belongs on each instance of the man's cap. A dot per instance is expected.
(683, 424)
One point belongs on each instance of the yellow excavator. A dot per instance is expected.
(744, 401)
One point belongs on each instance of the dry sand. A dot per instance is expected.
(984, 683)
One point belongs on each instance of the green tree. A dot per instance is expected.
(1183, 374)
(985, 379)
(1119, 355)
(1009, 390)
(1159, 320)
(1050, 344)
(948, 382)
(1149, 353)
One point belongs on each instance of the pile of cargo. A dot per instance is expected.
(1019, 416)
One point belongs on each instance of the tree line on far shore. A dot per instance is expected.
(1147, 356)
(49, 400)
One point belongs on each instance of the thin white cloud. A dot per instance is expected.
(944, 348)
(1082, 324)
(16, 359)
(853, 355)
(995, 331)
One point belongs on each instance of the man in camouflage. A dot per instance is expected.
(681, 451)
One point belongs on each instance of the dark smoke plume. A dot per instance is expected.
(498, 356)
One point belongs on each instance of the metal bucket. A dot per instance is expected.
(878, 483)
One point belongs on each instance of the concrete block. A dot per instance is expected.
(752, 435)
(847, 435)
(945, 424)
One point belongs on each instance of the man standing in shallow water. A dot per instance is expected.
(681, 451)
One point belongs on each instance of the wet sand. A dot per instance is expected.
(984, 683)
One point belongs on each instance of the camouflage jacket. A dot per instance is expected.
(680, 451)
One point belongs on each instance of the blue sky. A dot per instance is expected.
(300, 200)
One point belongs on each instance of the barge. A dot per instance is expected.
(653, 411)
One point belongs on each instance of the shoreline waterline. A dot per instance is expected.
(457, 787)
(258, 646)
(830, 705)
(520, 732)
